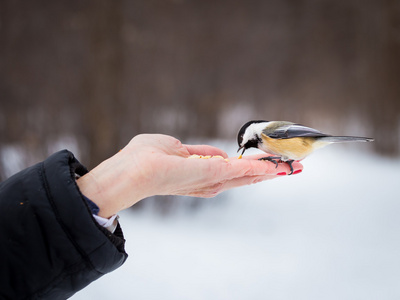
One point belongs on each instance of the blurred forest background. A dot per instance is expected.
(89, 75)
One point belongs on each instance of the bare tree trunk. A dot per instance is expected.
(102, 103)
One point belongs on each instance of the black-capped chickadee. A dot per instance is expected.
(287, 140)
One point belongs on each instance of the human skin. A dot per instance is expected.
(155, 164)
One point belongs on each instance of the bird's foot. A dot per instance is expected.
(289, 162)
(277, 159)
(274, 159)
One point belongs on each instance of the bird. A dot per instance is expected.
(286, 141)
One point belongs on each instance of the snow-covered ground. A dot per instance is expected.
(331, 232)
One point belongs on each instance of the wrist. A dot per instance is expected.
(111, 187)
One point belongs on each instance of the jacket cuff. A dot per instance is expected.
(99, 247)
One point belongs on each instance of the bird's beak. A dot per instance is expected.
(240, 148)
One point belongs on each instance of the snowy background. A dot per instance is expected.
(90, 75)
(331, 232)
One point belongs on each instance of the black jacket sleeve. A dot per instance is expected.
(50, 245)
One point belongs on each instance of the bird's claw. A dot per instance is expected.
(276, 160)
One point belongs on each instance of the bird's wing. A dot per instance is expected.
(294, 130)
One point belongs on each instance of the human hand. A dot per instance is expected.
(154, 164)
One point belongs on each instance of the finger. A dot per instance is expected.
(256, 156)
(205, 150)
(242, 181)
(247, 180)
(210, 177)
(215, 189)
(211, 191)
(251, 166)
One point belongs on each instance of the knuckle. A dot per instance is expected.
(214, 190)
(256, 180)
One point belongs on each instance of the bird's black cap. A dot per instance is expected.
(243, 129)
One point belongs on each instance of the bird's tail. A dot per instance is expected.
(344, 139)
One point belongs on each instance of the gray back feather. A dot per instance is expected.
(287, 130)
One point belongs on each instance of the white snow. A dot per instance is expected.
(331, 232)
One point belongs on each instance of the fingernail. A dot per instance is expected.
(298, 171)
(281, 173)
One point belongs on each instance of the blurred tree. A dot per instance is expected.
(102, 71)
(102, 105)
(383, 92)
